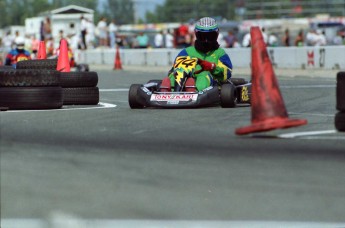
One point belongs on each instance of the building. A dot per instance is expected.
(66, 19)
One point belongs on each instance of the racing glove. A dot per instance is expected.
(206, 65)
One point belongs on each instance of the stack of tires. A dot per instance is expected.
(79, 88)
(340, 99)
(33, 85)
(36, 84)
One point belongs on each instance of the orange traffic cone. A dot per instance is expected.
(267, 105)
(63, 64)
(42, 54)
(118, 64)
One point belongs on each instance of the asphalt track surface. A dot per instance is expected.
(108, 164)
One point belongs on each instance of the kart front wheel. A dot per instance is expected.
(339, 121)
(133, 97)
(228, 96)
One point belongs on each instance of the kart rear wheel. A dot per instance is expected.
(228, 96)
(133, 97)
(339, 121)
(340, 91)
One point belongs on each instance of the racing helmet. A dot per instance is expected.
(206, 29)
(19, 41)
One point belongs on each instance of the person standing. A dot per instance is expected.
(7, 42)
(83, 30)
(299, 41)
(47, 30)
(142, 40)
(159, 40)
(286, 38)
(230, 39)
(169, 40)
(112, 33)
(102, 32)
(35, 43)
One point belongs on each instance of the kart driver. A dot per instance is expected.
(17, 54)
(212, 60)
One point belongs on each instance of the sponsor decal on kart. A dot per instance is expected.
(173, 98)
(244, 95)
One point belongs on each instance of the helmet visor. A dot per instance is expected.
(207, 36)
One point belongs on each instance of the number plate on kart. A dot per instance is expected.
(174, 98)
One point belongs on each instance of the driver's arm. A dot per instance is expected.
(223, 69)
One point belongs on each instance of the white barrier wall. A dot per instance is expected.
(326, 57)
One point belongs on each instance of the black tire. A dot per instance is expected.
(133, 97)
(339, 121)
(228, 96)
(48, 64)
(78, 79)
(81, 96)
(31, 97)
(10, 78)
(340, 91)
(238, 81)
(4, 68)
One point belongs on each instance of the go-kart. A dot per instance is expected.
(228, 95)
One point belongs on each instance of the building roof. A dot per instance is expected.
(71, 9)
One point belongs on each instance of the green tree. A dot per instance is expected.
(181, 10)
(121, 11)
(91, 4)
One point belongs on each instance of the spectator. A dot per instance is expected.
(230, 39)
(47, 31)
(183, 37)
(83, 30)
(311, 37)
(42, 31)
(50, 47)
(246, 40)
(90, 35)
(321, 38)
(34, 45)
(143, 40)
(221, 40)
(169, 40)
(159, 40)
(299, 40)
(286, 38)
(272, 40)
(102, 32)
(7, 42)
(339, 39)
(264, 35)
(112, 33)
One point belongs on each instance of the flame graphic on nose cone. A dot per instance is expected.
(179, 76)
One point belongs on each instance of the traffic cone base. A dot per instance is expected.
(270, 124)
(118, 64)
(267, 104)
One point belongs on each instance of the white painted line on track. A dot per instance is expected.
(101, 105)
(325, 134)
(113, 90)
(307, 86)
(98, 223)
